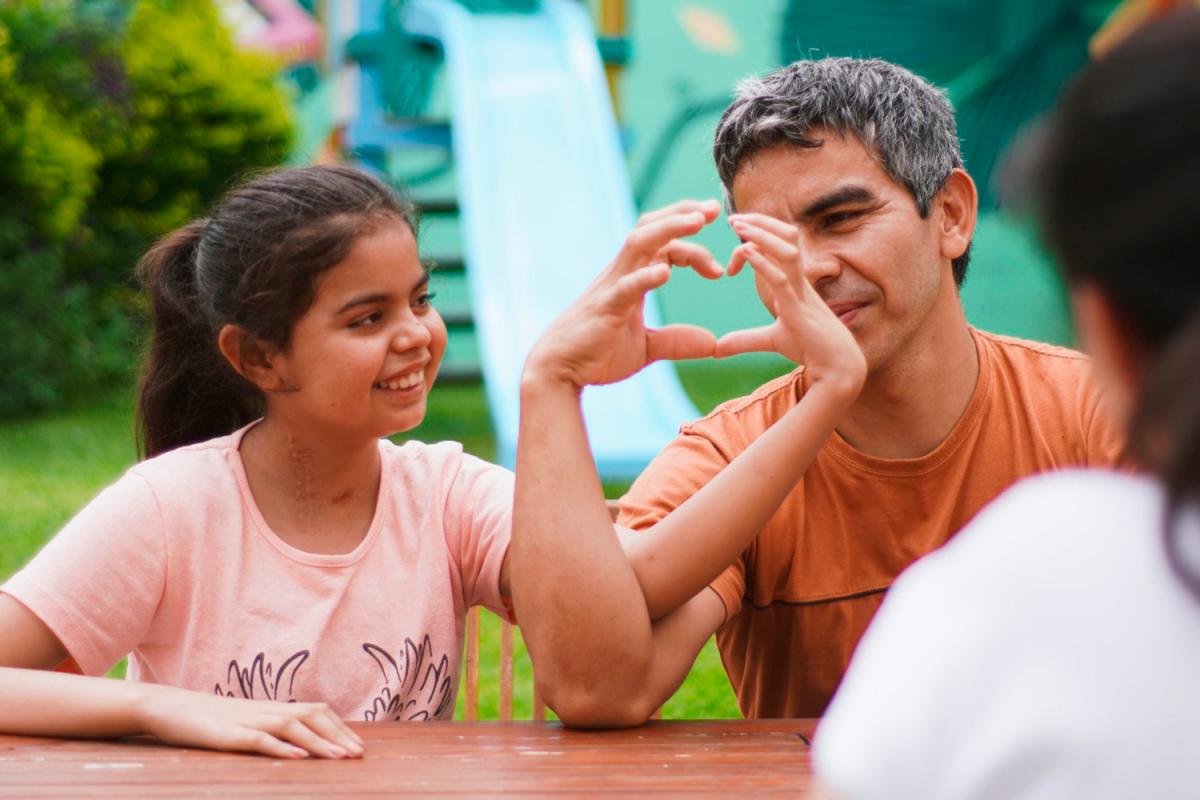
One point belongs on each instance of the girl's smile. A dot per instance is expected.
(366, 353)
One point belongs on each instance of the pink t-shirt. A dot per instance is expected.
(174, 565)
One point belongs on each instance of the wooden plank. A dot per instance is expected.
(661, 759)
(506, 671)
(471, 699)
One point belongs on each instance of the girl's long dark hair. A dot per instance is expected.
(1121, 185)
(253, 263)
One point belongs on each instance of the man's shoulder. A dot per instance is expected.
(1017, 353)
(750, 415)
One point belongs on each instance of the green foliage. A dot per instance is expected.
(118, 122)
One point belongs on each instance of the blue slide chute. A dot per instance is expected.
(545, 203)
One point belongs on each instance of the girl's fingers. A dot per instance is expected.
(257, 741)
(709, 208)
(690, 254)
(751, 340)
(677, 342)
(331, 727)
(291, 729)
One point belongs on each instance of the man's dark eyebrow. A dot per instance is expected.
(379, 297)
(842, 196)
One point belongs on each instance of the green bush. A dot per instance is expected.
(118, 122)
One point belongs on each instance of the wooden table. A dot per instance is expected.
(725, 759)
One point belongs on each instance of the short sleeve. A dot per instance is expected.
(479, 528)
(678, 472)
(97, 584)
(1105, 441)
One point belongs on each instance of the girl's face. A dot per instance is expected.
(363, 358)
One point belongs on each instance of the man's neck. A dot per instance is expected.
(909, 407)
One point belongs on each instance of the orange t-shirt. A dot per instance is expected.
(799, 598)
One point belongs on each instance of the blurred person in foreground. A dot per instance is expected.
(1050, 650)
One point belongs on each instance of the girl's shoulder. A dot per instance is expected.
(193, 471)
(440, 469)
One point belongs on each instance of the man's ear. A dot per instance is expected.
(956, 207)
(250, 357)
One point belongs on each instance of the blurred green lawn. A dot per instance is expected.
(51, 465)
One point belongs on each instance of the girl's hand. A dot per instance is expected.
(283, 730)
(805, 330)
(602, 337)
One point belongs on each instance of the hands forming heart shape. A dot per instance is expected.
(602, 338)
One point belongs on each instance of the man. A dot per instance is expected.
(854, 168)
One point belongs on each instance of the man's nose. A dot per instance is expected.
(817, 264)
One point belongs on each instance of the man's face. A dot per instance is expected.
(864, 247)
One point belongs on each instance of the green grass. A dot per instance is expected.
(51, 465)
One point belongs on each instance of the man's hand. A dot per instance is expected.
(805, 330)
(602, 337)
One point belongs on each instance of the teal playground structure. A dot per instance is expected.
(497, 117)
(541, 192)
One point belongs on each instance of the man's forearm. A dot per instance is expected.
(688, 548)
(578, 600)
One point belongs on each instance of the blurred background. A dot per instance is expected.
(531, 132)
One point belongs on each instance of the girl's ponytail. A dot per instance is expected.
(188, 393)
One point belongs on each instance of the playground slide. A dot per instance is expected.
(545, 204)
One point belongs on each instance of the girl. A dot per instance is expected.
(294, 557)
(275, 548)
(1050, 649)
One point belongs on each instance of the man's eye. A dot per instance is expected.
(833, 220)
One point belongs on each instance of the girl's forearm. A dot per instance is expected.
(687, 549)
(40, 703)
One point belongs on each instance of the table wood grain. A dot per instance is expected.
(734, 758)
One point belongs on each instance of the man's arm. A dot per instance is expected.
(588, 611)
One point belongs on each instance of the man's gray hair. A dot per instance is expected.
(903, 120)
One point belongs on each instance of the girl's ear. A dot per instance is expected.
(250, 357)
(959, 202)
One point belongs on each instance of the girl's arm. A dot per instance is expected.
(613, 635)
(35, 702)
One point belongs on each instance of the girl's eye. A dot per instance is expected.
(367, 320)
(424, 300)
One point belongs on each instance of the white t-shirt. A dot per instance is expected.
(1048, 651)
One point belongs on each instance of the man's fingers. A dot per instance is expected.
(633, 287)
(783, 251)
(676, 342)
(690, 254)
(784, 230)
(750, 340)
(645, 241)
(709, 208)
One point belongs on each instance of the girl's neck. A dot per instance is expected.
(317, 492)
